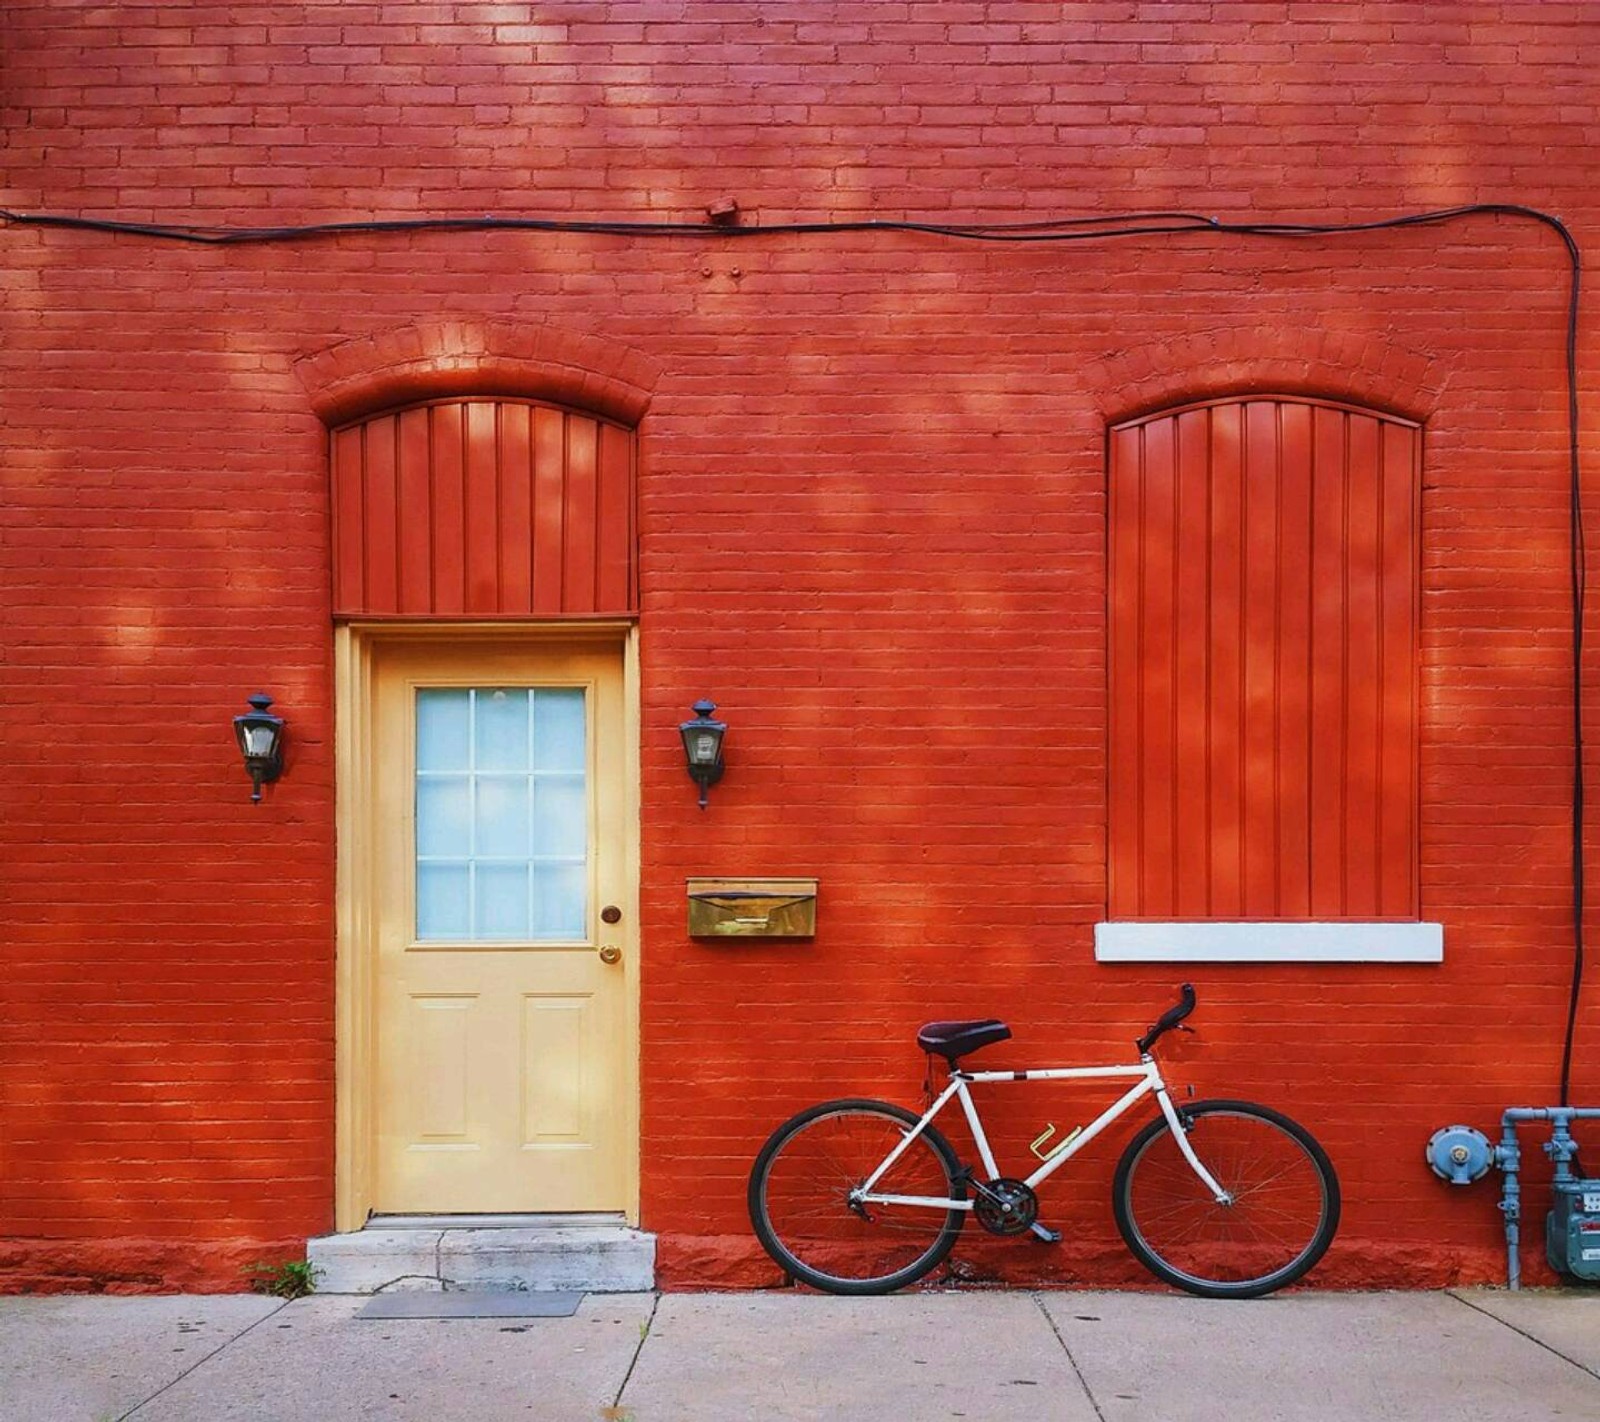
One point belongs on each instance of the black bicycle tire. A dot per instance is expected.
(796, 1267)
(1296, 1269)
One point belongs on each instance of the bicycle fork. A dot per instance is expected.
(1180, 1133)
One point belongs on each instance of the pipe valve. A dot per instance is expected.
(1459, 1154)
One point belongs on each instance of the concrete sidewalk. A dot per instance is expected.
(990, 1357)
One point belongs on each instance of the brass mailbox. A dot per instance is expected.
(752, 908)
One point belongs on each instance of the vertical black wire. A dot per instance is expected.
(1579, 584)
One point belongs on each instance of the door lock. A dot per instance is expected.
(608, 954)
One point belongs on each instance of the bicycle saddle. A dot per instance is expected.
(955, 1039)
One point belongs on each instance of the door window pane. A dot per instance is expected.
(444, 814)
(443, 905)
(501, 907)
(502, 814)
(502, 729)
(559, 725)
(443, 730)
(558, 900)
(559, 822)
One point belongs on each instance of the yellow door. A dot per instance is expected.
(503, 1051)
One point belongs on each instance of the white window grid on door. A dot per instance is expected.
(555, 866)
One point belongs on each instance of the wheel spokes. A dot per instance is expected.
(807, 1189)
(1278, 1200)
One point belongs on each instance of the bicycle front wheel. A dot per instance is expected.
(800, 1204)
(1280, 1218)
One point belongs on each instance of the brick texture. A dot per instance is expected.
(872, 528)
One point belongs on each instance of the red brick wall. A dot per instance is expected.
(872, 514)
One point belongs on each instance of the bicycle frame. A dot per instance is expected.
(1148, 1081)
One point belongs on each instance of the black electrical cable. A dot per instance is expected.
(1064, 229)
(1075, 229)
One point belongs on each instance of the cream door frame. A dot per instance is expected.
(356, 646)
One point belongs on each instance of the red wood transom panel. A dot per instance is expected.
(483, 508)
(1263, 631)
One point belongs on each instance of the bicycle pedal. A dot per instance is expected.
(1044, 1234)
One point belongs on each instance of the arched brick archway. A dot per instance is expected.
(438, 359)
(1368, 369)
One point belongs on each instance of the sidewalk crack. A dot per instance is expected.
(201, 1362)
(644, 1334)
(1583, 1368)
(1083, 1382)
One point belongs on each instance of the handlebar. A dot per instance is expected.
(1168, 1019)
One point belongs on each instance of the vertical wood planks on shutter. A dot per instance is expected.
(381, 533)
(447, 454)
(484, 508)
(1124, 814)
(577, 547)
(1362, 673)
(1399, 771)
(1292, 790)
(614, 575)
(515, 461)
(349, 554)
(1329, 459)
(1157, 709)
(413, 514)
(482, 545)
(549, 505)
(1223, 713)
(1258, 726)
(1263, 621)
(1191, 644)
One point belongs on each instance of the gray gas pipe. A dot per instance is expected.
(1461, 1155)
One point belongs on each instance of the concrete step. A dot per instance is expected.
(599, 1258)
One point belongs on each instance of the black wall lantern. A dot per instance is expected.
(702, 745)
(260, 735)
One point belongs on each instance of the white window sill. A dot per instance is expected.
(1339, 941)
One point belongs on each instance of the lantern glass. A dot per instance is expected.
(703, 747)
(260, 740)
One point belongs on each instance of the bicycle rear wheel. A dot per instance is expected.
(1279, 1223)
(800, 1207)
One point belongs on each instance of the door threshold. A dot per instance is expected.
(604, 1219)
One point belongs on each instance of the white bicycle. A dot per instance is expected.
(1226, 1199)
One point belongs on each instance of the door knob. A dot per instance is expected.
(608, 954)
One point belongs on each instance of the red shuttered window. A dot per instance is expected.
(1263, 653)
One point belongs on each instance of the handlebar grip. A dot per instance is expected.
(1170, 1018)
(1186, 1003)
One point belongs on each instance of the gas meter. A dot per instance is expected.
(1572, 1228)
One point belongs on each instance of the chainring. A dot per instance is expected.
(1005, 1206)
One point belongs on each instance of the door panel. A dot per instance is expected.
(440, 1028)
(503, 1063)
(557, 1040)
